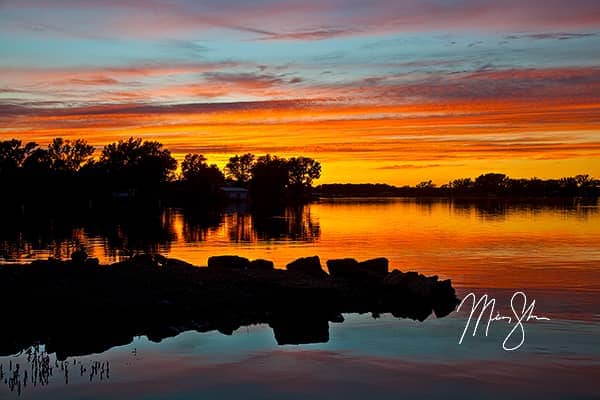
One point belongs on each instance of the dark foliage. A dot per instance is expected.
(137, 171)
(239, 168)
(132, 170)
(486, 185)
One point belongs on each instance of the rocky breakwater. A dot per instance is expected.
(79, 307)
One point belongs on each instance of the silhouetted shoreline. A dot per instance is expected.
(486, 186)
(73, 174)
(137, 171)
(78, 307)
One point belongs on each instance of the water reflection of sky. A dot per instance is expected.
(382, 358)
(551, 252)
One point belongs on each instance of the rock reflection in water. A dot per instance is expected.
(82, 308)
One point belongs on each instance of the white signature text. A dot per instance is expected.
(521, 310)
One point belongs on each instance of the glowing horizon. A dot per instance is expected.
(384, 91)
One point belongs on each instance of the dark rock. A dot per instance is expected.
(228, 262)
(164, 262)
(394, 278)
(411, 282)
(37, 263)
(263, 265)
(160, 297)
(345, 268)
(444, 298)
(308, 266)
(348, 268)
(160, 260)
(420, 286)
(143, 261)
(79, 256)
(377, 266)
(44, 263)
(92, 262)
(175, 263)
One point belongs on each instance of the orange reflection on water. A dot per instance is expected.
(477, 245)
(474, 245)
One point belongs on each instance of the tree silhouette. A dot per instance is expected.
(38, 161)
(303, 171)
(492, 183)
(192, 166)
(270, 179)
(69, 156)
(136, 166)
(239, 168)
(425, 185)
(67, 170)
(196, 171)
(13, 153)
(147, 158)
(583, 181)
(461, 184)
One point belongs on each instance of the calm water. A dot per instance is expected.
(550, 252)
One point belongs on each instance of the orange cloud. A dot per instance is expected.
(528, 122)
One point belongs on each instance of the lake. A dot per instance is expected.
(549, 251)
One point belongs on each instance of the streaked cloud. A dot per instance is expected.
(311, 19)
(405, 89)
(410, 166)
(552, 35)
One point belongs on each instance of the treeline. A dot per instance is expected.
(486, 185)
(73, 170)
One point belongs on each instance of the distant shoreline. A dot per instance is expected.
(485, 187)
(453, 197)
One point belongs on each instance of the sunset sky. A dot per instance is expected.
(378, 91)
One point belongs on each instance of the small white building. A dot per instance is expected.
(235, 193)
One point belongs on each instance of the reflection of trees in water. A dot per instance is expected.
(499, 209)
(195, 224)
(238, 226)
(22, 236)
(488, 210)
(428, 204)
(116, 232)
(291, 223)
(243, 225)
(585, 208)
(142, 232)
